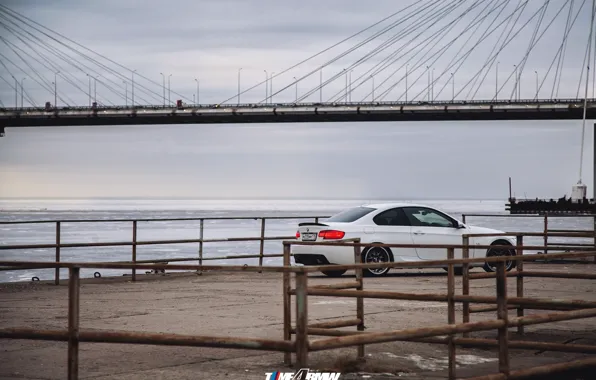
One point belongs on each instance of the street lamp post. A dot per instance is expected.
(432, 84)
(497, 81)
(16, 92)
(266, 86)
(406, 83)
(321, 85)
(350, 81)
(56, 88)
(89, 76)
(296, 80)
(428, 89)
(271, 87)
(453, 87)
(536, 72)
(95, 90)
(239, 70)
(125, 93)
(163, 85)
(346, 87)
(22, 90)
(169, 91)
(515, 84)
(198, 83)
(133, 88)
(373, 87)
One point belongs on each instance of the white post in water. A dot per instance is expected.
(594, 168)
(586, 94)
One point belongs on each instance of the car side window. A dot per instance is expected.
(424, 217)
(393, 217)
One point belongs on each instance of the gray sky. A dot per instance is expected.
(211, 39)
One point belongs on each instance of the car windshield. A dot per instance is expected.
(350, 215)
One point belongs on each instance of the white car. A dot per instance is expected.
(394, 223)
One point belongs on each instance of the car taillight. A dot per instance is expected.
(331, 234)
(297, 234)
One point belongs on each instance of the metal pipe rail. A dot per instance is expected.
(134, 243)
(301, 344)
(575, 309)
(519, 274)
(547, 231)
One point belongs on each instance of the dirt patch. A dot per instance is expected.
(250, 305)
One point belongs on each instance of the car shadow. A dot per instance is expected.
(389, 275)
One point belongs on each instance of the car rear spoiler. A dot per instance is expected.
(312, 224)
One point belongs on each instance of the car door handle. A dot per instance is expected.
(418, 233)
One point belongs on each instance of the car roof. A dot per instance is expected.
(393, 205)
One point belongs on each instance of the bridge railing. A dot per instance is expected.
(134, 243)
(293, 104)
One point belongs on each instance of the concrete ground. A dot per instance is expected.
(250, 305)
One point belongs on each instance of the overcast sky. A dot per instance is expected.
(211, 39)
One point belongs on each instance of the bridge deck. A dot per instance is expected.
(295, 113)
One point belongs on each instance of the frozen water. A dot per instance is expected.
(17, 210)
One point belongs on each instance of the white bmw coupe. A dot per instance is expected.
(394, 223)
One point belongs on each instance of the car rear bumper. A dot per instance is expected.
(322, 255)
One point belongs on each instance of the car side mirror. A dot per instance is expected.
(460, 225)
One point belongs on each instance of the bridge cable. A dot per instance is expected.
(505, 44)
(534, 41)
(11, 86)
(560, 51)
(323, 51)
(442, 51)
(55, 67)
(58, 54)
(488, 64)
(24, 93)
(157, 95)
(496, 18)
(420, 48)
(479, 22)
(44, 85)
(416, 24)
(560, 55)
(490, 61)
(440, 34)
(522, 64)
(26, 63)
(360, 44)
(44, 62)
(560, 64)
(392, 58)
(594, 75)
(393, 40)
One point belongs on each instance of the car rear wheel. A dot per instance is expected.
(492, 252)
(376, 255)
(333, 273)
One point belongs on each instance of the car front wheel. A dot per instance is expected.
(492, 252)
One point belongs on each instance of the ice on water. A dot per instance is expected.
(12, 210)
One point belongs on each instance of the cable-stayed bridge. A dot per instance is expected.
(430, 60)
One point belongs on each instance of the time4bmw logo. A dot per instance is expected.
(302, 374)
